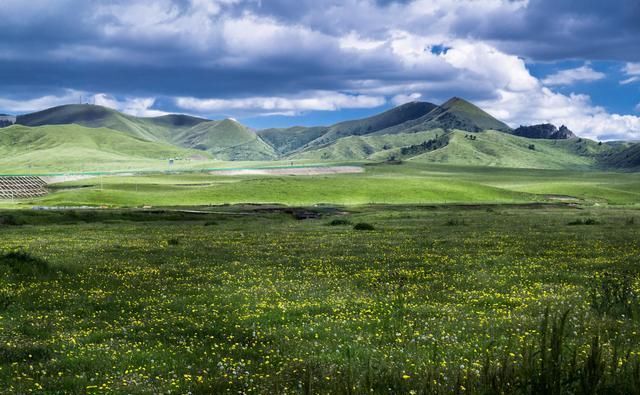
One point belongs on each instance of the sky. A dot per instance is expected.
(278, 63)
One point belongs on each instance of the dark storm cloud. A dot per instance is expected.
(563, 29)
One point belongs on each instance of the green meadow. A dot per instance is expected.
(246, 299)
(411, 278)
(408, 183)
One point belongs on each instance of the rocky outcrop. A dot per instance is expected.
(544, 131)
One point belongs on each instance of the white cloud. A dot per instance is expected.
(637, 107)
(632, 70)
(404, 98)
(137, 106)
(310, 101)
(567, 77)
(40, 103)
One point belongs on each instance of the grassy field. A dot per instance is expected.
(409, 183)
(490, 299)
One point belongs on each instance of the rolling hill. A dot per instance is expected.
(456, 132)
(226, 140)
(60, 147)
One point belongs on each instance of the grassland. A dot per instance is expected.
(495, 299)
(409, 183)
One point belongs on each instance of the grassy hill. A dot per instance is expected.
(456, 132)
(287, 140)
(226, 140)
(489, 148)
(64, 147)
(492, 148)
(456, 113)
(151, 129)
(627, 158)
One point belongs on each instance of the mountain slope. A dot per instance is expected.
(492, 148)
(544, 131)
(456, 113)
(226, 140)
(160, 128)
(76, 147)
(627, 158)
(288, 141)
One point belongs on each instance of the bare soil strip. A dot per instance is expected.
(293, 171)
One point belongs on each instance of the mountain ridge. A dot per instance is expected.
(409, 131)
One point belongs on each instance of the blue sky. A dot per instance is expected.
(275, 63)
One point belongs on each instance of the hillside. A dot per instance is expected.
(226, 140)
(299, 139)
(456, 132)
(489, 148)
(456, 113)
(627, 158)
(76, 147)
(287, 140)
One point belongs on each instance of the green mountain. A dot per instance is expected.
(489, 148)
(226, 140)
(456, 113)
(456, 132)
(59, 147)
(91, 116)
(626, 158)
(287, 141)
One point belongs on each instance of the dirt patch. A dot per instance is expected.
(290, 171)
(562, 198)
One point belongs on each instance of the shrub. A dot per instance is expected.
(10, 220)
(631, 221)
(210, 223)
(587, 221)
(363, 226)
(339, 222)
(455, 222)
(173, 242)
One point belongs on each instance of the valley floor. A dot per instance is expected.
(251, 299)
(364, 183)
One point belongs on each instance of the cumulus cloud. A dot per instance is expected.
(136, 106)
(310, 101)
(22, 105)
(568, 77)
(266, 57)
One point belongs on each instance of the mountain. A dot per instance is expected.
(92, 116)
(627, 158)
(226, 140)
(489, 148)
(456, 132)
(60, 147)
(455, 113)
(286, 141)
(544, 131)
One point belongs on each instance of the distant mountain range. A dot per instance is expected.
(456, 132)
